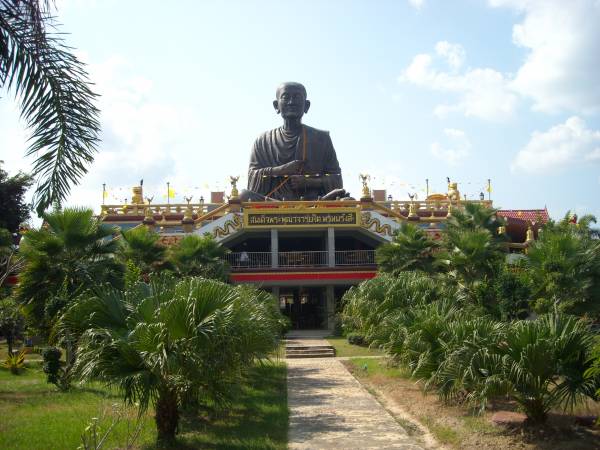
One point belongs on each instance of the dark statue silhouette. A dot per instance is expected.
(294, 161)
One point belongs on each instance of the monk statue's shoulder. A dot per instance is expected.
(266, 137)
(316, 131)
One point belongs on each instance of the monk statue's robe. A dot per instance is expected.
(277, 147)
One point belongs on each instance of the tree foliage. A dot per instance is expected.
(72, 252)
(13, 208)
(564, 263)
(168, 341)
(199, 256)
(410, 249)
(56, 100)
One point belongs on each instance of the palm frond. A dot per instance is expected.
(56, 99)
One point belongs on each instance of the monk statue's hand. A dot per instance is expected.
(300, 182)
(291, 168)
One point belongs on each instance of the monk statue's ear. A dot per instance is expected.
(276, 106)
(306, 106)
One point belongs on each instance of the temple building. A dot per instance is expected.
(307, 253)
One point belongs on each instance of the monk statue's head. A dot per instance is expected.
(291, 100)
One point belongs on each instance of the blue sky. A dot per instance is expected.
(409, 89)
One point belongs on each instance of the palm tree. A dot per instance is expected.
(474, 216)
(470, 255)
(565, 266)
(199, 256)
(56, 101)
(141, 246)
(167, 341)
(72, 252)
(410, 249)
(540, 364)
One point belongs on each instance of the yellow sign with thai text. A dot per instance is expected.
(301, 218)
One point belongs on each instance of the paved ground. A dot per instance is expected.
(329, 409)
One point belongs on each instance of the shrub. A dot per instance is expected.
(53, 368)
(356, 339)
(540, 364)
(171, 341)
(15, 362)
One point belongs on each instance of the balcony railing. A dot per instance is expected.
(355, 258)
(302, 259)
(249, 259)
(257, 260)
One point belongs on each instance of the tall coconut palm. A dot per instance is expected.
(56, 101)
(410, 249)
(167, 341)
(72, 252)
(199, 256)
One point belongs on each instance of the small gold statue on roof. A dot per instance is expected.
(364, 178)
(234, 190)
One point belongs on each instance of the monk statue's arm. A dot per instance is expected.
(332, 178)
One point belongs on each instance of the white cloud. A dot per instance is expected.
(454, 53)
(418, 4)
(563, 38)
(562, 145)
(141, 137)
(482, 93)
(456, 150)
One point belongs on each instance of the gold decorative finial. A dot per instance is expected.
(364, 178)
(137, 197)
(234, 190)
(530, 236)
(453, 193)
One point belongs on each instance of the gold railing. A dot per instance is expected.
(198, 209)
(425, 210)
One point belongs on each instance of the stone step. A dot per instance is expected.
(321, 351)
(311, 355)
(308, 347)
(310, 350)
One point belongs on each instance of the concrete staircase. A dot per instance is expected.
(293, 350)
(308, 344)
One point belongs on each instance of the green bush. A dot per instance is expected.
(53, 368)
(356, 339)
(540, 364)
(171, 341)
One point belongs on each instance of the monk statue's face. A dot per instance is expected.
(291, 101)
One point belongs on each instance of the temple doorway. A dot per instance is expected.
(305, 306)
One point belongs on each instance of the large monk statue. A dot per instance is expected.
(294, 161)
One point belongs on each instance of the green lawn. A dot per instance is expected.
(343, 348)
(34, 415)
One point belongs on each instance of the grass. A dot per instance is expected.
(343, 348)
(378, 373)
(36, 415)
(454, 425)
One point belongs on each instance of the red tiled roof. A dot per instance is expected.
(529, 215)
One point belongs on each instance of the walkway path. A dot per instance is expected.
(329, 409)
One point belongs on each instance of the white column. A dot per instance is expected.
(330, 306)
(331, 247)
(274, 248)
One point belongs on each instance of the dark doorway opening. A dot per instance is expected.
(304, 306)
